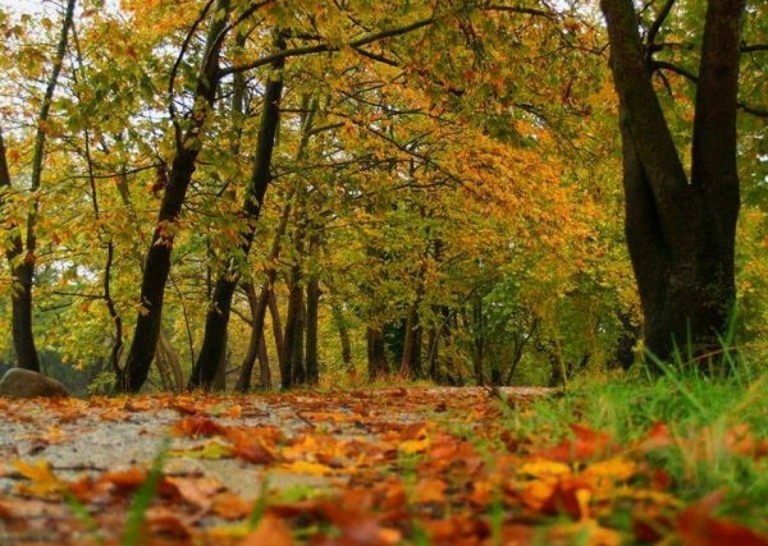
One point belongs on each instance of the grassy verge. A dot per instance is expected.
(717, 430)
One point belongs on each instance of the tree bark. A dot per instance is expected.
(378, 366)
(293, 371)
(341, 326)
(680, 232)
(410, 364)
(158, 260)
(265, 374)
(277, 326)
(313, 302)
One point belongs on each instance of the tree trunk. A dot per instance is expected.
(293, 352)
(313, 302)
(378, 366)
(167, 361)
(277, 326)
(258, 305)
(158, 261)
(217, 318)
(680, 232)
(410, 364)
(346, 344)
(265, 374)
(219, 382)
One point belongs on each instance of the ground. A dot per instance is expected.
(375, 467)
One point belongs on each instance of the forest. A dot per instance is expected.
(234, 194)
(384, 272)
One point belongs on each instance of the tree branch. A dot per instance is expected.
(753, 48)
(321, 48)
(660, 18)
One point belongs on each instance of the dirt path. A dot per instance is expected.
(220, 454)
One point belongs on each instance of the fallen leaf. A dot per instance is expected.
(44, 481)
(271, 531)
(212, 449)
(196, 426)
(306, 467)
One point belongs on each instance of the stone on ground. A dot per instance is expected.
(21, 383)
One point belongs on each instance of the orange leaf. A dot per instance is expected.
(429, 490)
(586, 444)
(194, 426)
(271, 530)
(230, 506)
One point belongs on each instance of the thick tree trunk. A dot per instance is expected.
(410, 365)
(217, 317)
(680, 232)
(158, 261)
(378, 365)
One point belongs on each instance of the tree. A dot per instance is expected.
(158, 260)
(21, 253)
(214, 341)
(680, 228)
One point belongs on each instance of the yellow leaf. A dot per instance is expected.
(44, 481)
(585, 532)
(544, 469)
(305, 467)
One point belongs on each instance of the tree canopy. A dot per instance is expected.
(221, 193)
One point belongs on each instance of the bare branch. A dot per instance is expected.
(753, 48)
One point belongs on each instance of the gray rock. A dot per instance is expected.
(21, 383)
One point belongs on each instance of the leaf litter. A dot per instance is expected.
(368, 468)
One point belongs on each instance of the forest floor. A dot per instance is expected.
(453, 466)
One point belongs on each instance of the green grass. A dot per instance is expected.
(703, 412)
(142, 500)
